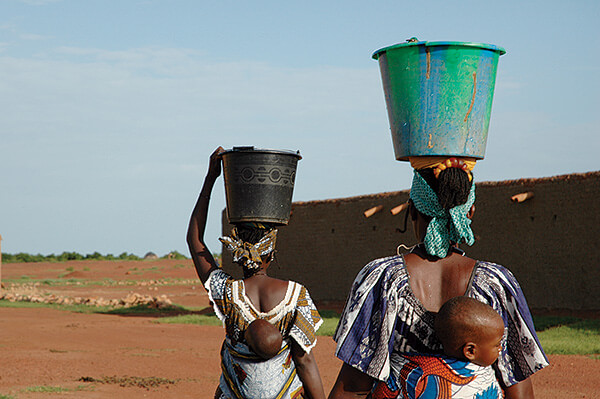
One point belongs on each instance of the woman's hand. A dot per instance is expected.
(214, 165)
(351, 383)
(521, 390)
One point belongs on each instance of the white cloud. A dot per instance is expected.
(33, 36)
(84, 125)
(39, 2)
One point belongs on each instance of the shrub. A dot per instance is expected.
(174, 255)
(22, 257)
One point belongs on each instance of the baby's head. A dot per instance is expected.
(470, 330)
(264, 338)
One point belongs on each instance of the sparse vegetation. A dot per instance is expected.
(46, 389)
(51, 389)
(330, 321)
(581, 337)
(127, 381)
(136, 310)
(22, 257)
(69, 308)
(199, 319)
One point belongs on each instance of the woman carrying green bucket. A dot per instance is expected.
(438, 96)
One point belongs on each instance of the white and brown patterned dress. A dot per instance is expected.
(244, 374)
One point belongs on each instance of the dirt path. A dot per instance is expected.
(53, 348)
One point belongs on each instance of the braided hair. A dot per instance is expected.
(443, 199)
(452, 186)
(252, 234)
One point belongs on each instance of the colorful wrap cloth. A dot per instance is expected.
(446, 226)
(251, 254)
(421, 376)
(433, 162)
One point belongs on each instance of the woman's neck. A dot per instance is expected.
(421, 251)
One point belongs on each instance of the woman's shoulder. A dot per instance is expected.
(217, 280)
(493, 270)
(390, 267)
(489, 275)
(381, 274)
(297, 289)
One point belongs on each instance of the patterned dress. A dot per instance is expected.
(438, 377)
(383, 321)
(244, 374)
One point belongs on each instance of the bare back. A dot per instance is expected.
(433, 283)
(265, 292)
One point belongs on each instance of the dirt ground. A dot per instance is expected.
(109, 356)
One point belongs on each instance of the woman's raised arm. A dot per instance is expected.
(203, 259)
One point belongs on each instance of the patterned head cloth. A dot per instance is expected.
(250, 254)
(446, 226)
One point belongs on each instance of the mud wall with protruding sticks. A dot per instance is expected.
(550, 242)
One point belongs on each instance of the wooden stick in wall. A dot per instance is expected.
(370, 212)
(522, 197)
(397, 209)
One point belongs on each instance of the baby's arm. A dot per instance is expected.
(306, 367)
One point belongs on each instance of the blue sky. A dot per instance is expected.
(110, 109)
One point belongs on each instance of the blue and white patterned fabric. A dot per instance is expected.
(383, 317)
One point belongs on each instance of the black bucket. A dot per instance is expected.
(259, 184)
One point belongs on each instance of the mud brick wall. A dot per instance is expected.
(550, 242)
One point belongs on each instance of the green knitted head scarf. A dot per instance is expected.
(446, 226)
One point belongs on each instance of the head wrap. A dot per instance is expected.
(446, 226)
(250, 254)
(433, 162)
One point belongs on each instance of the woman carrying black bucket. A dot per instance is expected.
(270, 324)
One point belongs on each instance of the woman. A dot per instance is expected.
(392, 304)
(289, 371)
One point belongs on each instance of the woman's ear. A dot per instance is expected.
(471, 212)
(470, 351)
(269, 257)
(412, 209)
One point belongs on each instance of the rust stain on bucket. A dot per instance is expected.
(429, 144)
(473, 97)
(428, 56)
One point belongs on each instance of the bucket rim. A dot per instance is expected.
(485, 46)
(252, 149)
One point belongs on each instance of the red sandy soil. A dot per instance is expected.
(54, 348)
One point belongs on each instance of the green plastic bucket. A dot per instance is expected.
(439, 96)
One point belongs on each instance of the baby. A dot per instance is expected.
(264, 338)
(471, 334)
(470, 330)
